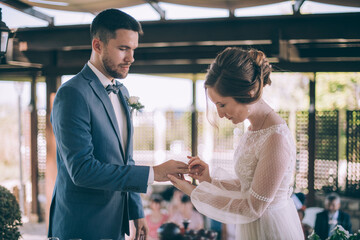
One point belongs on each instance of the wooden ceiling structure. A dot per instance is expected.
(296, 43)
(303, 43)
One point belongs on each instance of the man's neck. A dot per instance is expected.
(101, 69)
(103, 79)
(333, 213)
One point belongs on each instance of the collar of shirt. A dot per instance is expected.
(334, 216)
(103, 79)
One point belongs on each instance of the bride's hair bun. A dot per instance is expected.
(263, 63)
(240, 74)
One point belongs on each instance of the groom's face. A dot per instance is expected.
(118, 53)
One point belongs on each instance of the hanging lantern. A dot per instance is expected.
(4, 36)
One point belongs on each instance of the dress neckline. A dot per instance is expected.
(267, 129)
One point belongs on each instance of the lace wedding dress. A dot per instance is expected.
(258, 199)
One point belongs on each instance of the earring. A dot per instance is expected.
(248, 110)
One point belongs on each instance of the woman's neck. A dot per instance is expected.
(187, 214)
(156, 216)
(259, 114)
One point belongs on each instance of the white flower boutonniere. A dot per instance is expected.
(134, 103)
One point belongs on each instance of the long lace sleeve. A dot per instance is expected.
(225, 202)
(224, 180)
(228, 185)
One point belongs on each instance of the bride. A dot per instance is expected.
(258, 199)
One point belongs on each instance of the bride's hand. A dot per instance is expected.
(181, 184)
(199, 169)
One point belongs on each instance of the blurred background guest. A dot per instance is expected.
(228, 232)
(175, 202)
(188, 212)
(328, 219)
(170, 231)
(299, 201)
(307, 229)
(156, 217)
(216, 226)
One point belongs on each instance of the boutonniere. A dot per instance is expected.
(134, 103)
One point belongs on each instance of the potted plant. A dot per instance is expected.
(10, 216)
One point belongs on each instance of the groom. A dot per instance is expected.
(97, 187)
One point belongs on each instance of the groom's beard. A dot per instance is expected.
(115, 71)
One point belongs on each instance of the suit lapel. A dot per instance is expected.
(340, 218)
(101, 93)
(122, 95)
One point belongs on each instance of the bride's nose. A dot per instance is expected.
(221, 113)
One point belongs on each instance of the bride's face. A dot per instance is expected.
(228, 107)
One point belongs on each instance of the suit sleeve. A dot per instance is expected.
(136, 210)
(72, 128)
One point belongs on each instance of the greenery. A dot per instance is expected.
(337, 91)
(339, 234)
(180, 125)
(10, 216)
(144, 137)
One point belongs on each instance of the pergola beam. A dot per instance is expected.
(315, 43)
(28, 9)
(312, 28)
(155, 5)
(297, 6)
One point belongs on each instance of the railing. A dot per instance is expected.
(159, 136)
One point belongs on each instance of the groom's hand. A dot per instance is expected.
(141, 229)
(172, 167)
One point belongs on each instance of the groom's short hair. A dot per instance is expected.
(108, 21)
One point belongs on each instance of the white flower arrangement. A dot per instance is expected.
(339, 233)
(134, 103)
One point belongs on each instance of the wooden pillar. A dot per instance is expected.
(311, 147)
(194, 125)
(52, 84)
(194, 120)
(35, 207)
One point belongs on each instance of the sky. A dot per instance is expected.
(155, 92)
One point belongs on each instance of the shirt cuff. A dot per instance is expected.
(151, 176)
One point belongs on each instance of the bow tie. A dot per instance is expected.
(113, 88)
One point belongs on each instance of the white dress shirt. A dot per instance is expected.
(333, 221)
(119, 113)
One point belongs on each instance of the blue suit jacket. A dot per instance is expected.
(97, 187)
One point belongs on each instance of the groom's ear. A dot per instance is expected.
(97, 45)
